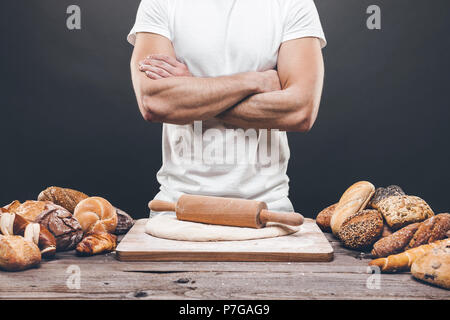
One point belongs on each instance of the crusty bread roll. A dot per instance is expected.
(17, 254)
(96, 214)
(353, 200)
(323, 219)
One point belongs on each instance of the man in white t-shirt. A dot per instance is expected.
(227, 78)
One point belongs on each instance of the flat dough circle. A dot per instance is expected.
(169, 227)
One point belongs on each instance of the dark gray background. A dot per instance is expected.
(69, 116)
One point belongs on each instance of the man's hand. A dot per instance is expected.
(158, 66)
(271, 81)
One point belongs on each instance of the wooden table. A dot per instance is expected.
(104, 277)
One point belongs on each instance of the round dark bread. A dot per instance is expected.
(323, 219)
(361, 229)
(383, 193)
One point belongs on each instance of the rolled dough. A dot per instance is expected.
(169, 227)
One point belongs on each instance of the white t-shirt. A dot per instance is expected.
(216, 38)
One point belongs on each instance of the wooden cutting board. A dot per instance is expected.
(308, 244)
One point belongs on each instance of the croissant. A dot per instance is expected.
(14, 224)
(404, 260)
(96, 243)
(96, 215)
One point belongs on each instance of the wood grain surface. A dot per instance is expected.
(104, 277)
(308, 244)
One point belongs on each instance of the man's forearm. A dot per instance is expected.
(282, 109)
(182, 100)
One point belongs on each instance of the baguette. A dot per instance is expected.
(354, 199)
(404, 260)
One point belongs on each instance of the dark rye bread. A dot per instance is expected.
(360, 230)
(323, 219)
(383, 193)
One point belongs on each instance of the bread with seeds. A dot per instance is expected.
(399, 211)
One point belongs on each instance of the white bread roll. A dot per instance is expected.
(96, 214)
(353, 200)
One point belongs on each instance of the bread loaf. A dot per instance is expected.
(399, 211)
(431, 230)
(360, 230)
(60, 222)
(354, 199)
(17, 254)
(323, 219)
(396, 242)
(434, 267)
(64, 197)
(124, 222)
(404, 260)
(383, 193)
(96, 215)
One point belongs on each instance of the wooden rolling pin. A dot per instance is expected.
(225, 211)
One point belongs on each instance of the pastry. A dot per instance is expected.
(323, 219)
(403, 261)
(395, 242)
(354, 199)
(431, 230)
(96, 243)
(361, 229)
(383, 193)
(434, 267)
(124, 222)
(14, 224)
(399, 211)
(64, 197)
(96, 215)
(17, 253)
(62, 225)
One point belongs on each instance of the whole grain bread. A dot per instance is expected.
(383, 193)
(396, 242)
(361, 229)
(399, 211)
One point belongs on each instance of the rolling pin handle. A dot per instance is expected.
(160, 205)
(289, 218)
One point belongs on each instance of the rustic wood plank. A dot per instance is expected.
(308, 244)
(104, 277)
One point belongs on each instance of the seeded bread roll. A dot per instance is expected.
(396, 242)
(323, 219)
(361, 229)
(434, 267)
(354, 199)
(383, 193)
(399, 211)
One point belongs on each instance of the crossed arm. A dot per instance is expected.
(287, 100)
